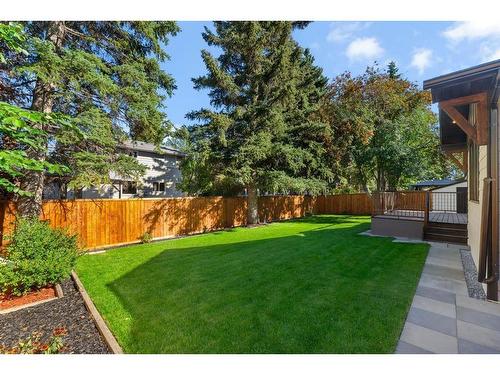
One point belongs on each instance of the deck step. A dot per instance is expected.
(432, 224)
(446, 232)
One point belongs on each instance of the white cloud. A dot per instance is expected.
(341, 31)
(470, 30)
(364, 49)
(495, 55)
(421, 59)
(489, 51)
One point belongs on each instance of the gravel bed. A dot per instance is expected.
(474, 287)
(68, 311)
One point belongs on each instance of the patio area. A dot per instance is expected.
(443, 317)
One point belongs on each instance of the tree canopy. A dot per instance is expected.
(262, 132)
(396, 140)
(106, 77)
(16, 130)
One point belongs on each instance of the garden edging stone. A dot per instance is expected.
(103, 329)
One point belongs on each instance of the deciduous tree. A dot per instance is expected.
(395, 138)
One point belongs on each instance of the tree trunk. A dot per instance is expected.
(253, 206)
(43, 101)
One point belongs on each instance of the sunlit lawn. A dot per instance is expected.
(306, 286)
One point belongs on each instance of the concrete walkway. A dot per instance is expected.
(442, 317)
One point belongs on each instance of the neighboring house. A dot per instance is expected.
(160, 180)
(438, 184)
(449, 195)
(468, 118)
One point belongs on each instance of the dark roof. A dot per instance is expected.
(149, 147)
(488, 67)
(444, 182)
(479, 78)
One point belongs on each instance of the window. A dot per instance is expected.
(129, 187)
(473, 171)
(133, 153)
(158, 186)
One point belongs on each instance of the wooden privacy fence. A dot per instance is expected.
(111, 222)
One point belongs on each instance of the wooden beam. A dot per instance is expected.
(457, 147)
(482, 121)
(479, 132)
(469, 99)
(460, 120)
(462, 164)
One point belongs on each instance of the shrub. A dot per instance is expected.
(37, 256)
(146, 237)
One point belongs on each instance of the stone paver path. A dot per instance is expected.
(442, 317)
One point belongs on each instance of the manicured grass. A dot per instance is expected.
(312, 285)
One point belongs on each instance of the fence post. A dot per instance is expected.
(426, 208)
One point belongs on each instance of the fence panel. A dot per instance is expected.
(111, 222)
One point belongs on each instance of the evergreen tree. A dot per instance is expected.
(263, 134)
(16, 124)
(106, 77)
(393, 70)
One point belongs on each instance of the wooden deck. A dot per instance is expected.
(434, 216)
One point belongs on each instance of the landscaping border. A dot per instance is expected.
(103, 329)
(58, 292)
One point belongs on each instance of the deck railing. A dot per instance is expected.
(410, 204)
(419, 204)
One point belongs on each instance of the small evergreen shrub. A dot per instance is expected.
(146, 237)
(37, 256)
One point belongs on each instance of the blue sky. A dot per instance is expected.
(421, 50)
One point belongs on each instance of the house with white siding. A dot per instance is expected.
(160, 180)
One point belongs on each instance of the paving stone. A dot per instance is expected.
(429, 339)
(446, 272)
(452, 286)
(479, 318)
(450, 246)
(407, 240)
(455, 263)
(436, 322)
(467, 347)
(478, 335)
(444, 253)
(436, 294)
(405, 348)
(479, 305)
(435, 306)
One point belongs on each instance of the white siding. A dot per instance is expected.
(450, 203)
(160, 168)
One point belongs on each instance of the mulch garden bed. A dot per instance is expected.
(8, 302)
(68, 312)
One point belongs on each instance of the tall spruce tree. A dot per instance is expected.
(106, 77)
(263, 134)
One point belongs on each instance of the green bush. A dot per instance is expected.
(37, 256)
(146, 237)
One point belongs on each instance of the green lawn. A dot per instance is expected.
(312, 285)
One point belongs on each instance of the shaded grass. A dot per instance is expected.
(312, 285)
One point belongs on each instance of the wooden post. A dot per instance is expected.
(426, 208)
